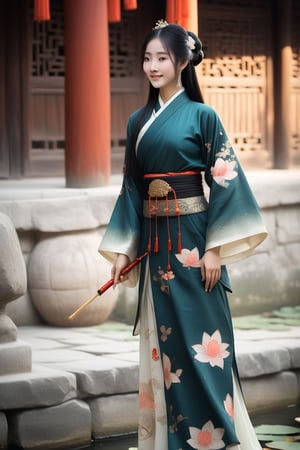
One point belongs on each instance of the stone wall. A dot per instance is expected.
(60, 229)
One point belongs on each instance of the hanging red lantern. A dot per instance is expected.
(130, 4)
(41, 10)
(114, 10)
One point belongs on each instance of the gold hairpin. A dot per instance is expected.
(161, 23)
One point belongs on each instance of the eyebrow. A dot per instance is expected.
(157, 53)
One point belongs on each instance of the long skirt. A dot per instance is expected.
(189, 390)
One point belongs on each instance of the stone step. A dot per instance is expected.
(68, 424)
(40, 387)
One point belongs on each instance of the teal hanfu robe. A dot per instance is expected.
(189, 388)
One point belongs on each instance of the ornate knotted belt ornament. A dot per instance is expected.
(159, 188)
(162, 201)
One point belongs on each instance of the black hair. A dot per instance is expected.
(183, 46)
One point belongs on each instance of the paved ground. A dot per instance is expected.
(265, 358)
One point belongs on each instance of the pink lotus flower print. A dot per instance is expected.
(170, 377)
(212, 350)
(189, 258)
(208, 438)
(222, 171)
(146, 397)
(228, 405)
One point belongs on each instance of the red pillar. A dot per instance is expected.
(183, 12)
(87, 93)
(189, 15)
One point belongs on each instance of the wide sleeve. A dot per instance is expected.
(234, 220)
(122, 234)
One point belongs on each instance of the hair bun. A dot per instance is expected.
(197, 51)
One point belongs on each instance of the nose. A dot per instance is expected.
(153, 67)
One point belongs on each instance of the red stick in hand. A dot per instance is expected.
(107, 285)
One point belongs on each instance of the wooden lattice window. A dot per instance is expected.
(48, 58)
(47, 88)
(234, 72)
(123, 47)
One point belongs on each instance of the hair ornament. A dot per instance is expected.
(191, 43)
(161, 23)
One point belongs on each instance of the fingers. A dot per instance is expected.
(210, 270)
(117, 268)
(117, 276)
(211, 279)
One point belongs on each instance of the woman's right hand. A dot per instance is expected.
(120, 263)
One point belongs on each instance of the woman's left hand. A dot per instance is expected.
(210, 268)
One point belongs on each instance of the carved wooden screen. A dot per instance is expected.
(236, 39)
(47, 89)
(125, 81)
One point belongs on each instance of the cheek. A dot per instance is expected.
(145, 67)
(171, 71)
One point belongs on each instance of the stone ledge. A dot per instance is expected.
(103, 376)
(32, 205)
(15, 357)
(270, 392)
(261, 352)
(49, 428)
(109, 412)
(105, 361)
(256, 359)
(41, 387)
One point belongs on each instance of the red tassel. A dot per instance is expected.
(114, 10)
(156, 244)
(168, 225)
(130, 4)
(41, 10)
(179, 248)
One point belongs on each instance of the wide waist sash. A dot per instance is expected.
(173, 194)
(185, 184)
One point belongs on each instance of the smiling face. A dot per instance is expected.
(159, 67)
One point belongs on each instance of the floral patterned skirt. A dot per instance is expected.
(187, 389)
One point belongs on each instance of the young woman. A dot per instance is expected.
(189, 387)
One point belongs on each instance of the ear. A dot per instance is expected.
(183, 64)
